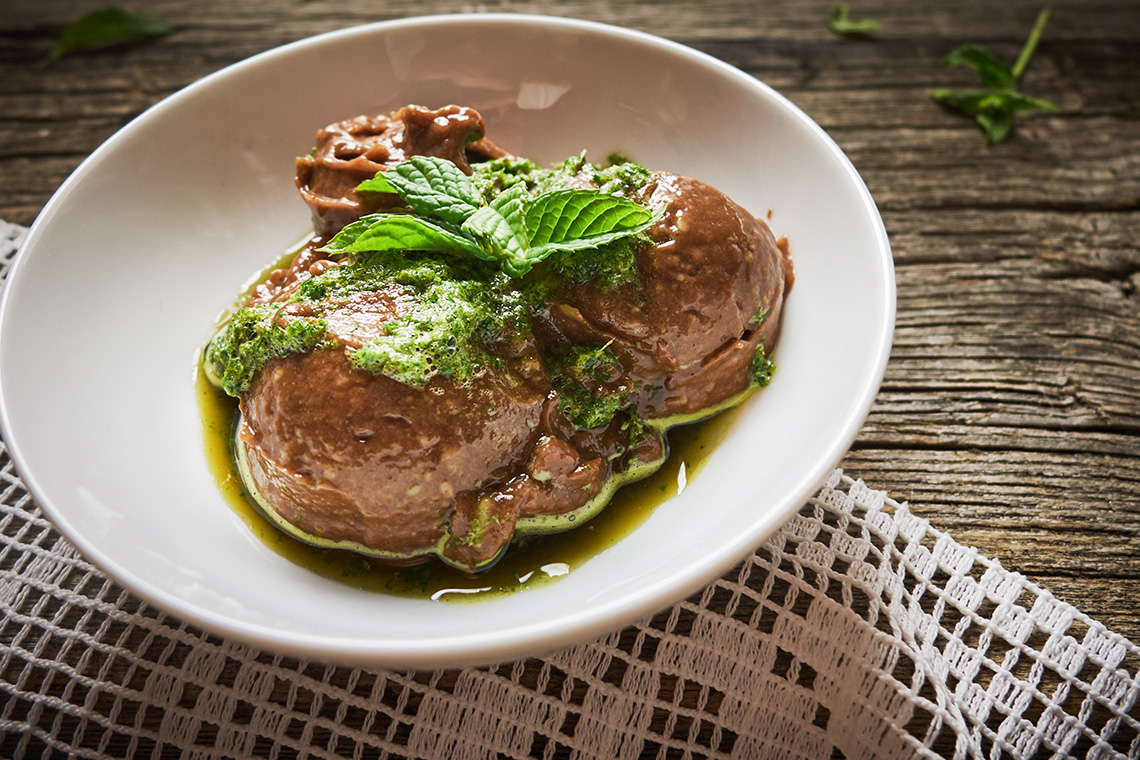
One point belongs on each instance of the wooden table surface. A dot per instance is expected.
(1010, 412)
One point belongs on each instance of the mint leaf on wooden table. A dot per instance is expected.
(514, 229)
(106, 26)
(994, 107)
(842, 24)
(992, 72)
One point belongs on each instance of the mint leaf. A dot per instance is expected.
(840, 23)
(996, 123)
(431, 186)
(522, 233)
(993, 72)
(571, 215)
(402, 232)
(1019, 102)
(576, 220)
(378, 184)
(500, 226)
(993, 108)
(970, 101)
(108, 25)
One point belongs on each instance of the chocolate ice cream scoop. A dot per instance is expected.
(709, 293)
(357, 459)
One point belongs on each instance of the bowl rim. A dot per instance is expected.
(466, 649)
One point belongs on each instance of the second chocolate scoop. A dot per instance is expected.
(710, 290)
(352, 151)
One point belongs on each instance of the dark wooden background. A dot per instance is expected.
(1010, 412)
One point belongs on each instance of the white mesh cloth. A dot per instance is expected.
(857, 631)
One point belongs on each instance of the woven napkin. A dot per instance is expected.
(857, 631)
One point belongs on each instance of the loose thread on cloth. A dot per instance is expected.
(857, 631)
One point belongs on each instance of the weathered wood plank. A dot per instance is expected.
(916, 171)
(976, 19)
(1040, 513)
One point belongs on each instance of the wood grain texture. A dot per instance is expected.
(1010, 411)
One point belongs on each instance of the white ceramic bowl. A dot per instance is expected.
(147, 242)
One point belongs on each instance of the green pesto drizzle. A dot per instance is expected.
(250, 339)
(584, 377)
(457, 308)
(762, 367)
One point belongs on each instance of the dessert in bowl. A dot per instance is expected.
(472, 348)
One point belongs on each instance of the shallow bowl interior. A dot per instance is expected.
(131, 261)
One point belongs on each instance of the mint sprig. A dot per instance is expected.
(107, 26)
(994, 107)
(514, 229)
